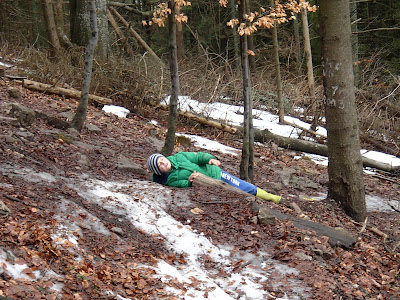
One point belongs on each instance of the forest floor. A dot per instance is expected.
(44, 174)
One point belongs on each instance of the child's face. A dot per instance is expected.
(164, 164)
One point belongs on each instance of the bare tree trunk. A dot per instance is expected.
(235, 35)
(250, 42)
(136, 36)
(247, 162)
(80, 115)
(179, 41)
(297, 46)
(277, 70)
(346, 185)
(173, 65)
(51, 27)
(80, 25)
(310, 73)
(59, 14)
(120, 35)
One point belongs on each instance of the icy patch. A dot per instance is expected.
(27, 173)
(86, 220)
(375, 203)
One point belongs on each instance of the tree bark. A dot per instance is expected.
(80, 25)
(277, 69)
(297, 46)
(51, 28)
(345, 171)
(247, 162)
(250, 42)
(180, 46)
(80, 115)
(310, 72)
(173, 67)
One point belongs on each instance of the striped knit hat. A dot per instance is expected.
(152, 163)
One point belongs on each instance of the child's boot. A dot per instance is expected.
(267, 196)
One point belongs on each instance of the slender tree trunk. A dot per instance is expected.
(51, 27)
(277, 70)
(173, 65)
(345, 171)
(39, 34)
(247, 162)
(297, 46)
(250, 41)
(179, 41)
(80, 115)
(120, 35)
(310, 72)
(236, 51)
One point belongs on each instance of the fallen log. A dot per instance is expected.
(202, 120)
(265, 135)
(337, 237)
(71, 93)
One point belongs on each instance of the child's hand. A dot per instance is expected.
(214, 162)
(193, 176)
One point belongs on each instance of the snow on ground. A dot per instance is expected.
(233, 115)
(145, 203)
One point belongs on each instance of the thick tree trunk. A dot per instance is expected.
(51, 28)
(80, 25)
(345, 171)
(80, 115)
(173, 66)
(354, 41)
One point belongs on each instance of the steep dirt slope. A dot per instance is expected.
(39, 162)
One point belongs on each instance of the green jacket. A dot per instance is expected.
(185, 163)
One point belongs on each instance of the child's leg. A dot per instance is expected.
(248, 187)
(238, 183)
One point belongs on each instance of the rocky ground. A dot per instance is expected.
(110, 148)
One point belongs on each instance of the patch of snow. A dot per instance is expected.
(119, 111)
(210, 145)
(14, 269)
